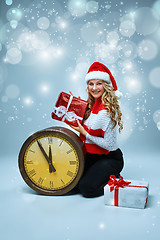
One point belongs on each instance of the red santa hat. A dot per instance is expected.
(99, 71)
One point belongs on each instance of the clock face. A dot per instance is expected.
(50, 163)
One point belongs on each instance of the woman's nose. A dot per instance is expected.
(94, 86)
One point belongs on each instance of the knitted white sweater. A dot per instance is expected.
(101, 138)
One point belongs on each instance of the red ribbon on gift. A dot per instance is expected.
(116, 184)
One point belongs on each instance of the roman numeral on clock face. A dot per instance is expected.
(40, 181)
(69, 151)
(51, 184)
(50, 140)
(60, 143)
(62, 181)
(31, 151)
(32, 172)
(72, 162)
(70, 174)
(29, 162)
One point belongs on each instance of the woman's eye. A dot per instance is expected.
(91, 84)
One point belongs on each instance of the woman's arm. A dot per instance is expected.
(107, 142)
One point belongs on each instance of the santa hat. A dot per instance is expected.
(99, 71)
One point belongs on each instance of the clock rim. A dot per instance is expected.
(71, 137)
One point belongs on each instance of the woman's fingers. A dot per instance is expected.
(71, 93)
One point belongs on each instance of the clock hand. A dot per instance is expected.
(50, 158)
(51, 167)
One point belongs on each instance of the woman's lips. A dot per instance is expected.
(95, 92)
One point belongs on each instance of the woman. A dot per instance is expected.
(98, 131)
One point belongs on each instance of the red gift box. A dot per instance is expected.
(69, 108)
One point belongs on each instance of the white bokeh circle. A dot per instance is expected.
(154, 77)
(14, 14)
(156, 116)
(156, 8)
(28, 101)
(9, 2)
(40, 39)
(43, 23)
(11, 33)
(107, 53)
(25, 42)
(147, 49)
(92, 6)
(13, 55)
(127, 50)
(77, 7)
(13, 24)
(12, 91)
(158, 125)
(113, 37)
(127, 28)
(146, 21)
(133, 85)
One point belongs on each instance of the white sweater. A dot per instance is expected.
(100, 138)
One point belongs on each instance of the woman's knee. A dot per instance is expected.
(88, 189)
(83, 186)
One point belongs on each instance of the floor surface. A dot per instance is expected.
(24, 214)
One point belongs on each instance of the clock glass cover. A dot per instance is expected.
(64, 159)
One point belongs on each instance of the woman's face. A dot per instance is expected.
(95, 88)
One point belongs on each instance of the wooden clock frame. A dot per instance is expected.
(74, 140)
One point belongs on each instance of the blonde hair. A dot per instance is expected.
(109, 100)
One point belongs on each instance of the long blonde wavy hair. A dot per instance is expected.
(109, 100)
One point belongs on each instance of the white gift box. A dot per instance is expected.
(126, 193)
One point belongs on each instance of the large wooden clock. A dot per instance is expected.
(51, 161)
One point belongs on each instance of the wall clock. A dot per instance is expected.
(51, 161)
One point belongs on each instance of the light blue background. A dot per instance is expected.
(30, 81)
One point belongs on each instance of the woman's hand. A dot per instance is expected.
(80, 128)
(72, 94)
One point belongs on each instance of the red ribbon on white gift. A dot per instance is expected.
(116, 184)
(62, 111)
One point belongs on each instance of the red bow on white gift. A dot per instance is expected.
(114, 183)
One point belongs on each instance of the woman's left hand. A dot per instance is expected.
(80, 128)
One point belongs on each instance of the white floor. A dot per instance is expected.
(25, 214)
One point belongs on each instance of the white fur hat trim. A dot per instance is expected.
(98, 75)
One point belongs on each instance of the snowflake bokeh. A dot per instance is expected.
(47, 47)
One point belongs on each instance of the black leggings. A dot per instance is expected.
(97, 171)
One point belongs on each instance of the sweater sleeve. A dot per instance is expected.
(107, 142)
